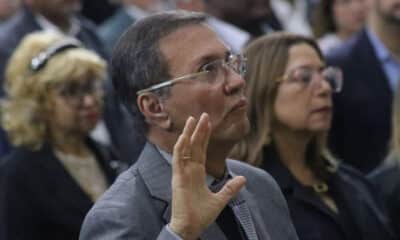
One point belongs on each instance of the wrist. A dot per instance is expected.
(182, 231)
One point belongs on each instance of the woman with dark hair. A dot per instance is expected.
(56, 172)
(290, 90)
(334, 21)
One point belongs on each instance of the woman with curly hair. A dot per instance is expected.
(55, 173)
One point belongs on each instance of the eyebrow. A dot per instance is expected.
(208, 58)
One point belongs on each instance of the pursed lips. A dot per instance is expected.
(322, 109)
(239, 105)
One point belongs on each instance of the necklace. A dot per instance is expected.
(320, 187)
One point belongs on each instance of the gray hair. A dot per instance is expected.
(137, 61)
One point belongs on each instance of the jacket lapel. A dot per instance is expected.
(157, 175)
(251, 226)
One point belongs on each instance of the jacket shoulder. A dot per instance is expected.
(345, 52)
(254, 176)
(124, 210)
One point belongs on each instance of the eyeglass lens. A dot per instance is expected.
(74, 91)
(332, 75)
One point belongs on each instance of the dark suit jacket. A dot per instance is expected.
(126, 140)
(41, 200)
(387, 181)
(362, 111)
(138, 204)
(361, 215)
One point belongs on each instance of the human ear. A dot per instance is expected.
(153, 110)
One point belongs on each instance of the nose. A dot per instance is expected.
(89, 100)
(322, 86)
(234, 82)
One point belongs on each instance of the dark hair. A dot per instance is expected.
(322, 18)
(137, 61)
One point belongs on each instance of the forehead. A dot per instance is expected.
(303, 54)
(185, 47)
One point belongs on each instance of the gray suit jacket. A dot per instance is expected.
(138, 204)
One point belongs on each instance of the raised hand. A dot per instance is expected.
(194, 206)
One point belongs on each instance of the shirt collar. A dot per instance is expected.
(49, 26)
(211, 181)
(380, 49)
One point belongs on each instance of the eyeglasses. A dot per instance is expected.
(74, 93)
(305, 75)
(213, 71)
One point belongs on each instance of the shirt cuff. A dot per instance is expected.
(173, 235)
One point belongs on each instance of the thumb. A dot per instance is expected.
(230, 189)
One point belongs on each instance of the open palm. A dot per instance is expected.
(194, 206)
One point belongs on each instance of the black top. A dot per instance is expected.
(358, 217)
(387, 180)
(40, 199)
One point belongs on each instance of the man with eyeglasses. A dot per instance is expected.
(186, 89)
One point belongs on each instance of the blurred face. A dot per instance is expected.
(236, 11)
(221, 95)
(349, 15)
(56, 7)
(389, 10)
(75, 106)
(300, 105)
(8, 7)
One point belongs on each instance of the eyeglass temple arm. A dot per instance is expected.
(170, 82)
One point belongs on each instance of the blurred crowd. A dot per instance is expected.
(66, 135)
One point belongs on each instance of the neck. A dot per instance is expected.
(216, 159)
(387, 32)
(62, 22)
(69, 143)
(216, 156)
(292, 147)
(344, 34)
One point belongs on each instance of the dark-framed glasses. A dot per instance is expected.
(74, 93)
(211, 72)
(306, 75)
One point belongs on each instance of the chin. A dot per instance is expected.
(321, 127)
(233, 133)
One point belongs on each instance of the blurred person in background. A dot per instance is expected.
(52, 15)
(290, 107)
(99, 10)
(253, 16)
(387, 176)
(370, 61)
(236, 23)
(8, 8)
(334, 21)
(293, 15)
(62, 16)
(56, 171)
(130, 12)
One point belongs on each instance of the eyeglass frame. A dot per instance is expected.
(76, 100)
(320, 71)
(227, 64)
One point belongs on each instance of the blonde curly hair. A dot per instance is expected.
(27, 90)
